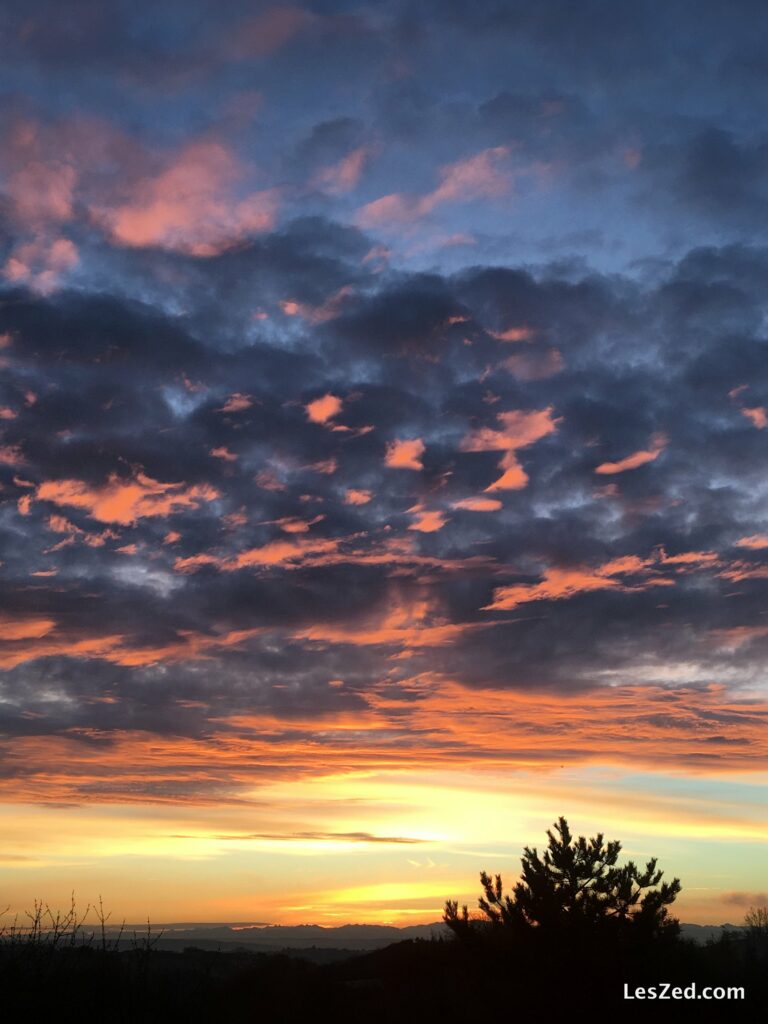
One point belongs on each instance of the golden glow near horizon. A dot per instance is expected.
(383, 846)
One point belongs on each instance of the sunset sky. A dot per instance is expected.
(383, 436)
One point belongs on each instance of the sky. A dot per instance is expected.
(383, 422)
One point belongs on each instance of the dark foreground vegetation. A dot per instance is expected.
(570, 936)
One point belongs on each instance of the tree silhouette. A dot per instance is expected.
(575, 888)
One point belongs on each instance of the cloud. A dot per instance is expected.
(756, 415)
(478, 504)
(757, 542)
(427, 521)
(405, 454)
(43, 192)
(41, 263)
(518, 430)
(237, 403)
(344, 175)
(357, 496)
(323, 409)
(562, 583)
(481, 176)
(223, 453)
(746, 899)
(125, 501)
(190, 206)
(636, 459)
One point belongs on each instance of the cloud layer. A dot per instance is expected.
(346, 410)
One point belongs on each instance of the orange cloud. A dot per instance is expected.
(323, 409)
(757, 542)
(658, 444)
(394, 743)
(478, 504)
(519, 429)
(125, 501)
(116, 648)
(757, 416)
(357, 497)
(276, 552)
(559, 584)
(24, 628)
(738, 571)
(405, 454)
(698, 558)
(190, 206)
(427, 522)
(409, 625)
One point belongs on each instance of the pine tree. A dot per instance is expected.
(575, 888)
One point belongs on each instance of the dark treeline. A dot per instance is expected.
(421, 980)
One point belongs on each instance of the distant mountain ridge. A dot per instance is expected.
(355, 937)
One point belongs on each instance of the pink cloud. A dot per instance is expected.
(223, 453)
(43, 192)
(190, 206)
(481, 176)
(343, 176)
(41, 263)
(474, 177)
(236, 403)
(325, 466)
(757, 416)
